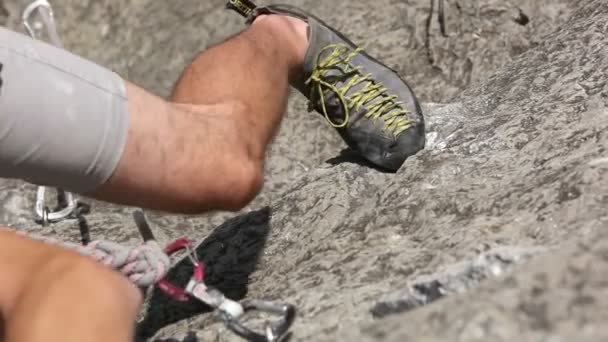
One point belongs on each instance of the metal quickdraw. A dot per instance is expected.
(229, 311)
(66, 203)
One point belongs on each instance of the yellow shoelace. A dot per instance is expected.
(385, 106)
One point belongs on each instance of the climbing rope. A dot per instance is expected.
(144, 265)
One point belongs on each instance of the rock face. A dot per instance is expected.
(517, 111)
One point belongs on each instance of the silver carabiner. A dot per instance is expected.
(45, 215)
(46, 14)
(273, 331)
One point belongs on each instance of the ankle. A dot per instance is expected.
(294, 33)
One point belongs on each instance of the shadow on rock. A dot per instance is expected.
(230, 255)
(351, 156)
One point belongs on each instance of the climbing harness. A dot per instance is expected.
(147, 265)
(229, 311)
(66, 202)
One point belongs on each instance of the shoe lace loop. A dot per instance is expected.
(372, 95)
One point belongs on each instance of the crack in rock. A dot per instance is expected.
(454, 279)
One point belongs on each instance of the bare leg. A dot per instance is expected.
(253, 68)
(206, 150)
(50, 294)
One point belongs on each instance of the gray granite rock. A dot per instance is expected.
(559, 296)
(453, 279)
(518, 118)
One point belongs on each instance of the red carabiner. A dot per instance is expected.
(175, 292)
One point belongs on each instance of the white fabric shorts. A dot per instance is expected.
(63, 120)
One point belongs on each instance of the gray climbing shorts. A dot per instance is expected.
(63, 120)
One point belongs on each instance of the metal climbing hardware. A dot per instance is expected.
(229, 311)
(66, 205)
(175, 292)
(65, 208)
(47, 20)
(276, 331)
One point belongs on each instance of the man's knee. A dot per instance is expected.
(86, 294)
(248, 184)
(234, 187)
(110, 291)
(244, 166)
(235, 166)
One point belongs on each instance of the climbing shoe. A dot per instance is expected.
(372, 108)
